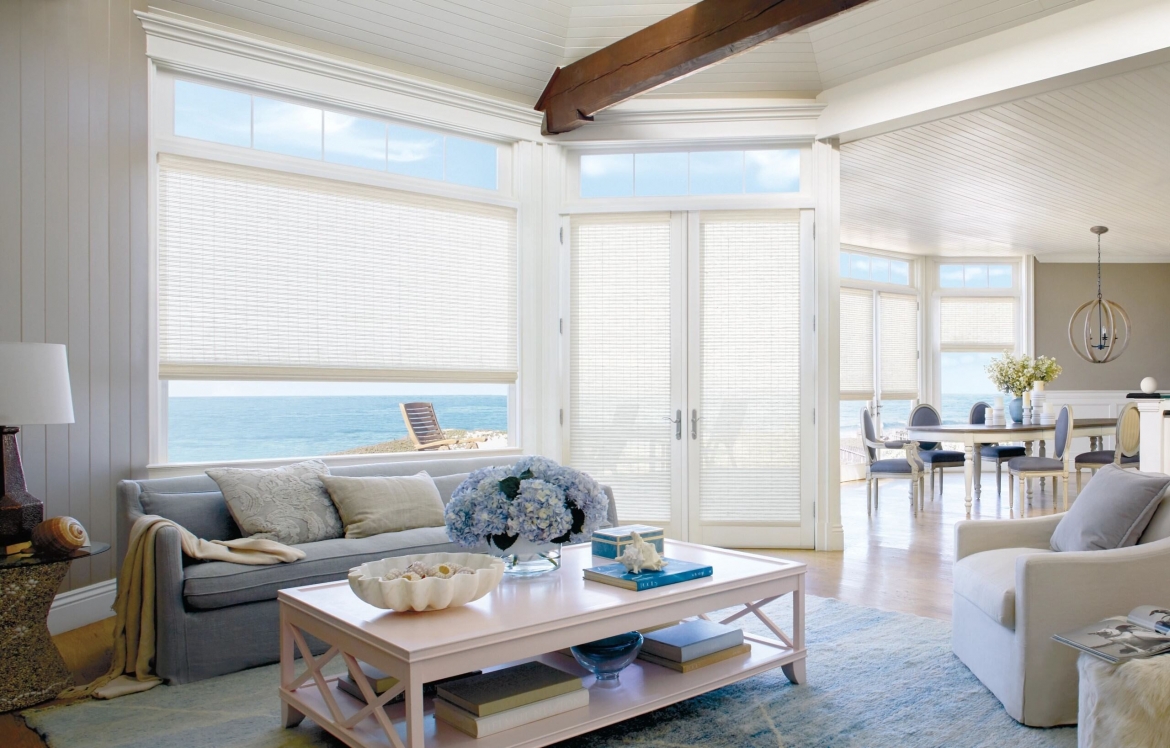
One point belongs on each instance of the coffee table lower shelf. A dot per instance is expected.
(644, 688)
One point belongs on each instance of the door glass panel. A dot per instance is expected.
(620, 360)
(749, 438)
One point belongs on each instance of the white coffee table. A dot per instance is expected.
(524, 620)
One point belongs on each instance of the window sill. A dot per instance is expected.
(178, 469)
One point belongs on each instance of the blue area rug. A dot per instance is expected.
(875, 679)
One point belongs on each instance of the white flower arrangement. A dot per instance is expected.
(1017, 374)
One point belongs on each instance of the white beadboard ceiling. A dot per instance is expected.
(510, 47)
(1027, 177)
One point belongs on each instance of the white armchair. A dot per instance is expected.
(1012, 593)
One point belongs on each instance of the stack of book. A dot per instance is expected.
(673, 573)
(693, 644)
(500, 700)
(380, 683)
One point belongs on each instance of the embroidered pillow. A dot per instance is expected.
(287, 504)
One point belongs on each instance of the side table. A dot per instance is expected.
(31, 668)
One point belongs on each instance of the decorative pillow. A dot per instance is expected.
(1112, 511)
(377, 504)
(287, 504)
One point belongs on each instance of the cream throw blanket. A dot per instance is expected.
(134, 606)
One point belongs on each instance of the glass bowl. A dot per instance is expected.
(605, 658)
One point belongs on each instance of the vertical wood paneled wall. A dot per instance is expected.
(73, 242)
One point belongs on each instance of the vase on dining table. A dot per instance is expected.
(1016, 409)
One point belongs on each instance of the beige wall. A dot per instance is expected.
(1144, 292)
(73, 249)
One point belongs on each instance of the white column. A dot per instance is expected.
(1153, 436)
(830, 536)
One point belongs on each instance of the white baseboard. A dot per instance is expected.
(81, 607)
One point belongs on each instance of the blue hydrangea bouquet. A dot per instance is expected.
(535, 500)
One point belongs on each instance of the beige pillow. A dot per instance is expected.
(378, 504)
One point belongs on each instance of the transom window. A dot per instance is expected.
(875, 268)
(970, 275)
(234, 118)
(689, 173)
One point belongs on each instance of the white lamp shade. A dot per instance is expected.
(34, 384)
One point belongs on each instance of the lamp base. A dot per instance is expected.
(20, 511)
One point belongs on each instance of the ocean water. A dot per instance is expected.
(208, 429)
(895, 414)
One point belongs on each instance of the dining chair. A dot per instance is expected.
(1001, 453)
(909, 466)
(1125, 451)
(1056, 467)
(933, 456)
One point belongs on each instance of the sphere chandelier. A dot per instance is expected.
(1105, 331)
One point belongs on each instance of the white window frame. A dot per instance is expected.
(937, 293)
(163, 140)
(914, 288)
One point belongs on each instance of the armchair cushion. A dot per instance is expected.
(1111, 512)
(890, 466)
(987, 580)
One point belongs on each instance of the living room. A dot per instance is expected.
(833, 300)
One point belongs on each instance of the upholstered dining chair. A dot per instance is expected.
(933, 455)
(1125, 450)
(1001, 453)
(1055, 467)
(909, 466)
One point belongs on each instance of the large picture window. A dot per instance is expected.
(277, 280)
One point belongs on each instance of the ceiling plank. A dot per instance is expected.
(688, 41)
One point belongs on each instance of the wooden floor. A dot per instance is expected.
(892, 561)
(895, 561)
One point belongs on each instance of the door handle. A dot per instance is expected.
(677, 421)
(695, 424)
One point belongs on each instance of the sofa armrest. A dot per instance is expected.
(129, 510)
(976, 536)
(170, 659)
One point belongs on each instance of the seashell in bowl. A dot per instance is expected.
(479, 574)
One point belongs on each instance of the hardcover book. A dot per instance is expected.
(611, 542)
(509, 688)
(691, 640)
(1145, 633)
(481, 727)
(711, 659)
(673, 573)
(380, 683)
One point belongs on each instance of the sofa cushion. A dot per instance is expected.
(987, 580)
(1111, 512)
(448, 483)
(286, 504)
(376, 504)
(204, 514)
(219, 584)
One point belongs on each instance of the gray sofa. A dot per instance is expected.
(216, 618)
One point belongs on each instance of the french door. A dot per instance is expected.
(690, 371)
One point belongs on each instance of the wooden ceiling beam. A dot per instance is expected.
(677, 46)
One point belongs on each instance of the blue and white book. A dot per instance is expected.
(674, 572)
(691, 640)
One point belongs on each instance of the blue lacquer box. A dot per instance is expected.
(611, 542)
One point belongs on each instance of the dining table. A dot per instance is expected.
(975, 435)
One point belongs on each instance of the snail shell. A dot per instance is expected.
(58, 536)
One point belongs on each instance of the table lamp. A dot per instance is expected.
(34, 389)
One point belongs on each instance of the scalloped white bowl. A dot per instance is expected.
(430, 593)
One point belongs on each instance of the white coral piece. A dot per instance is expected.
(418, 567)
(392, 575)
(640, 556)
(410, 576)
